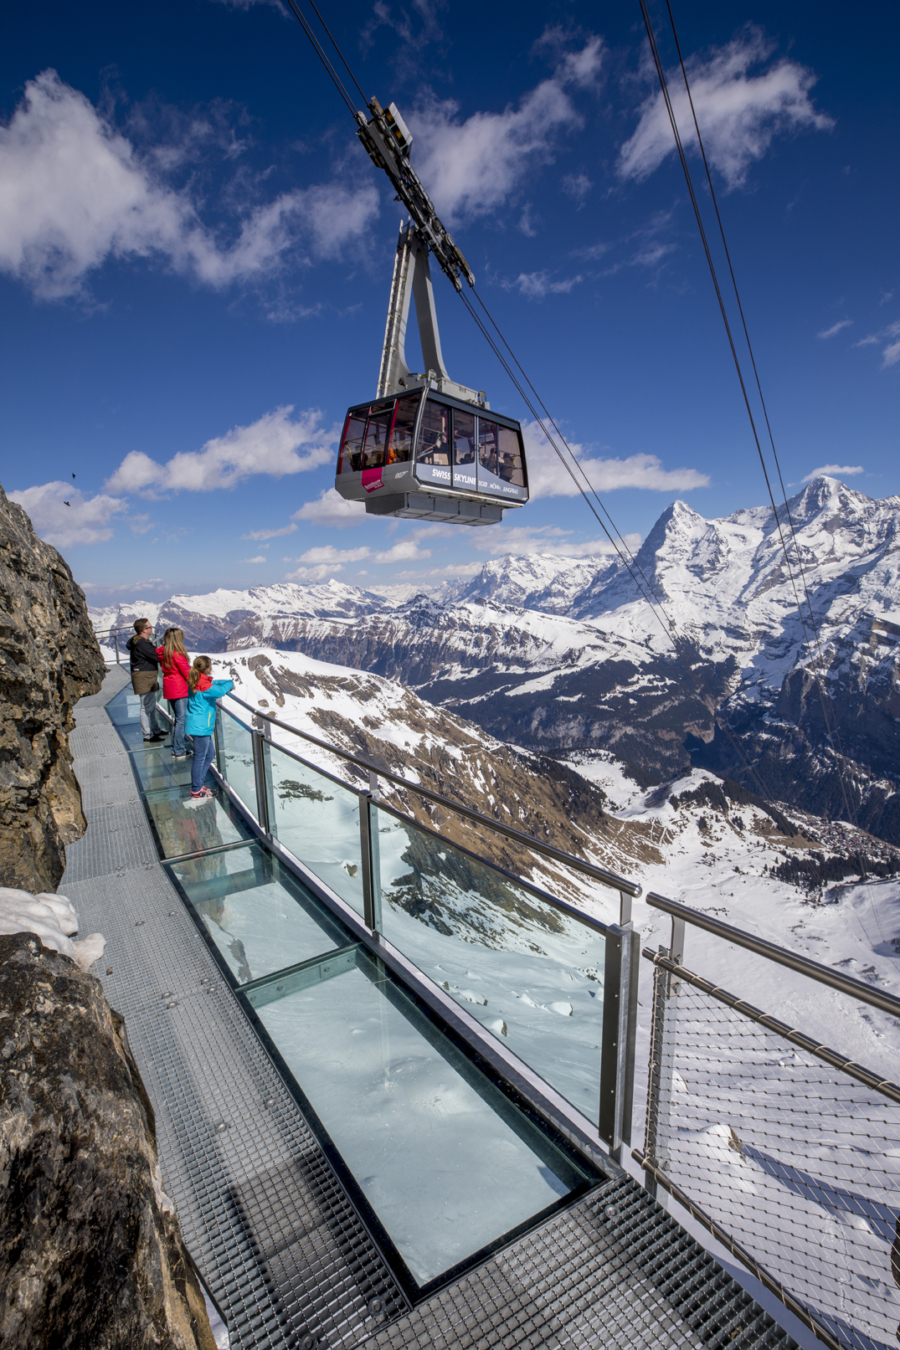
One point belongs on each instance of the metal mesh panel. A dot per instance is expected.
(613, 1270)
(791, 1156)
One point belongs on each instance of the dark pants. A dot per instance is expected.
(204, 753)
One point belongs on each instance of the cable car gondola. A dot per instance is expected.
(426, 447)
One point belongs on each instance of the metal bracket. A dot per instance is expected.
(412, 280)
(617, 1043)
(371, 860)
(666, 987)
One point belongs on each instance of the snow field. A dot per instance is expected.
(53, 919)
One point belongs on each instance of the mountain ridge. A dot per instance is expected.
(558, 654)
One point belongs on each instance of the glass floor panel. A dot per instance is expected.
(258, 915)
(156, 769)
(183, 826)
(448, 1162)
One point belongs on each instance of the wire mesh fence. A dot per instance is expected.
(792, 1151)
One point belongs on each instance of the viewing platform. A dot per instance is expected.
(353, 1151)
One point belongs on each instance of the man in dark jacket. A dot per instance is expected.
(144, 681)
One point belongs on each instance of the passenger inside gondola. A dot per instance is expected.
(434, 436)
(351, 455)
(463, 437)
(376, 436)
(509, 457)
(487, 446)
(400, 449)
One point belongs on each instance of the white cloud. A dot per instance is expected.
(535, 285)
(834, 329)
(548, 478)
(85, 520)
(326, 555)
(149, 583)
(739, 114)
(406, 551)
(890, 354)
(324, 572)
(577, 186)
(275, 445)
(330, 508)
(269, 534)
(470, 167)
(74, 192)
(548, 540)
(834, 470)
(259, 559)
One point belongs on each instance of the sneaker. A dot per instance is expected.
(157, 736)
(179, 757)
(203, 793)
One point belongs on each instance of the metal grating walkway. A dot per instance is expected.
(262, 1211)
(260, 1207)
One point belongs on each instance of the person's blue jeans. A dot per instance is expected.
(179, 712)
(204, 753)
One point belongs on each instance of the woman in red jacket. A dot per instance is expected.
(176, 667)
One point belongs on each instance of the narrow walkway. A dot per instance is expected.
(262, 1210)
(260, 1207)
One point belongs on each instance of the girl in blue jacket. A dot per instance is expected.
(200, 723)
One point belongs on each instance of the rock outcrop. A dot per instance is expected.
(48, 660)
(90, 1253)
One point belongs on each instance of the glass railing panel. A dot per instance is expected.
(236, 765)
(528, 972)
(185, 826)
(448, 1161)
(318, 821)
(258, 915)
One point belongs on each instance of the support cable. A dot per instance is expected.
(652, 599)
(320, 52)
(624, 554)
(831, 726)
(823, 694)
(651, 37)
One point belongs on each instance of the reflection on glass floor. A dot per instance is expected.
(444, 1159)
(183, 826)
(449, 1163)
(257, 914)
(180, 826)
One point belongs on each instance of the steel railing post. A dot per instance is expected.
(371, 857)
(217, 742)
(260, 777)
(618, 1035)
(115, 637)
(662, 1063)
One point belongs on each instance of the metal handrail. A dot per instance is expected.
(812, 1046)
(845, 983)
(600, 874)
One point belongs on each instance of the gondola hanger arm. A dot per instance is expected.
(387, 140)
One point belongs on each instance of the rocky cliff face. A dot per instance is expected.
(90, 1253)
(48, 660)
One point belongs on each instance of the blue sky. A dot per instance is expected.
(195, 258)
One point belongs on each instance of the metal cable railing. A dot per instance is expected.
(785, 1149)
(439, 908)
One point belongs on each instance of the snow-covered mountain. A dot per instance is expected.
(209, 621)
(558, 654)
(786, 875)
